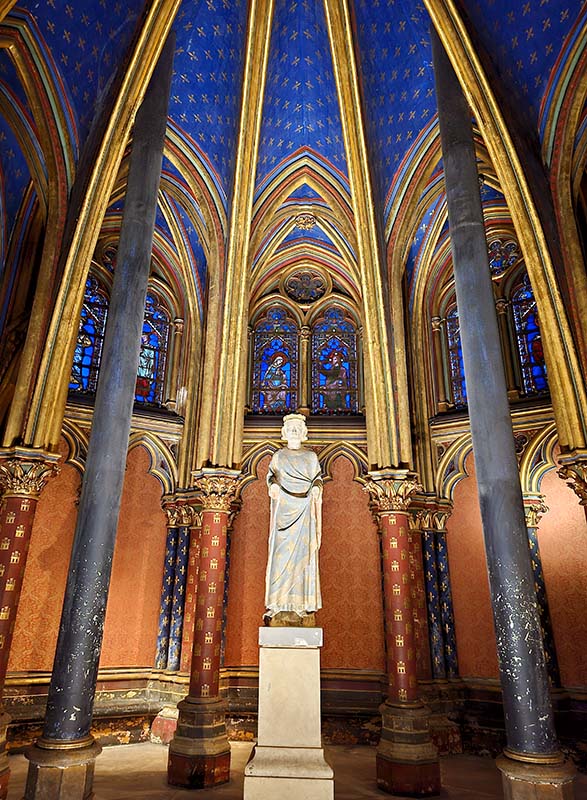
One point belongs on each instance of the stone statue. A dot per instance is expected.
(292, 582)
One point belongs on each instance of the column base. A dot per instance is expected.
(199, 753)
(63, 773)
(525, 780)
(164, 725)
(407, 761)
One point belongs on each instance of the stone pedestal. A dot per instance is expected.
(525, 780)
(199, 755)
(288, 761)
(407, 761)
(62, 773)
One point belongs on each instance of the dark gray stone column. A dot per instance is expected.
(66, 743)
(524, 680)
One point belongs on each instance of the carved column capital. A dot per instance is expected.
(391, 490)
(432, 512)
(501, 305)
(534, 508)
(574, 472)
(217, 488)
(24, 472)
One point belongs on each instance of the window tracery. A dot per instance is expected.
(309, 364)
(150, 383)
(525, 369)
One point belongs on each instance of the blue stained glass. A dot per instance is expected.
(455, 359)
(151, 372)
(88, 347)
(502, 256)
(528, 340)
(334, 365)
(275, 364)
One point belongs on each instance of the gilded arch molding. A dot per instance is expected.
(569, 395)
(44, 421)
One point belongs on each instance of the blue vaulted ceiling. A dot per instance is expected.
(301, 109)
(524, 39)
(398, 82)
(87, 41)
(82, 44)
(205, 95)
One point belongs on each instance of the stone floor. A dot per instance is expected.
(136, 771)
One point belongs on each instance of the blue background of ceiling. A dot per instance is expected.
(206, 89)
(301, 106)
(524, 39)
(398, 82)
(87, 41)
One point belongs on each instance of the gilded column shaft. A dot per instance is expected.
(189, 617)
(400, 638)
(205, 668)
(438, 367)
(164, 624)
(418, 593)
(178, 598)
(23, 475)
(433, 602)
(446, 606)
(199, 754)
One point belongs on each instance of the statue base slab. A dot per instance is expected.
(288, 761)
(523, 780)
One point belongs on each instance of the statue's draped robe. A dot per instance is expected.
(292, 580)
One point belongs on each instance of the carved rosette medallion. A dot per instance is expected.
(305, 221)
(575, 475)
(24, 473)
(391, 490)
(217, 490)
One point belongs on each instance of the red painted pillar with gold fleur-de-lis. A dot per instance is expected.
(407, 761)
(199, 754)
(189, 616)
(23, 474)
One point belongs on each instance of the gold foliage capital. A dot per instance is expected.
(575, 476)
(180, 514)
(534, 508)
(217, 488)
(25, 472)
(391, 490)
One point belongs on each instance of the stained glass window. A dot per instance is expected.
(88, 347)
(455, 359)
(528, 340)
(151, 372)
(502, 256)
(275, 364)
(334, 364)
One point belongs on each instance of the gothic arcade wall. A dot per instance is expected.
(562, 537)
(133, 604)
(352, 616)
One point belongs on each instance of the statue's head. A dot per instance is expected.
(294, 427)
